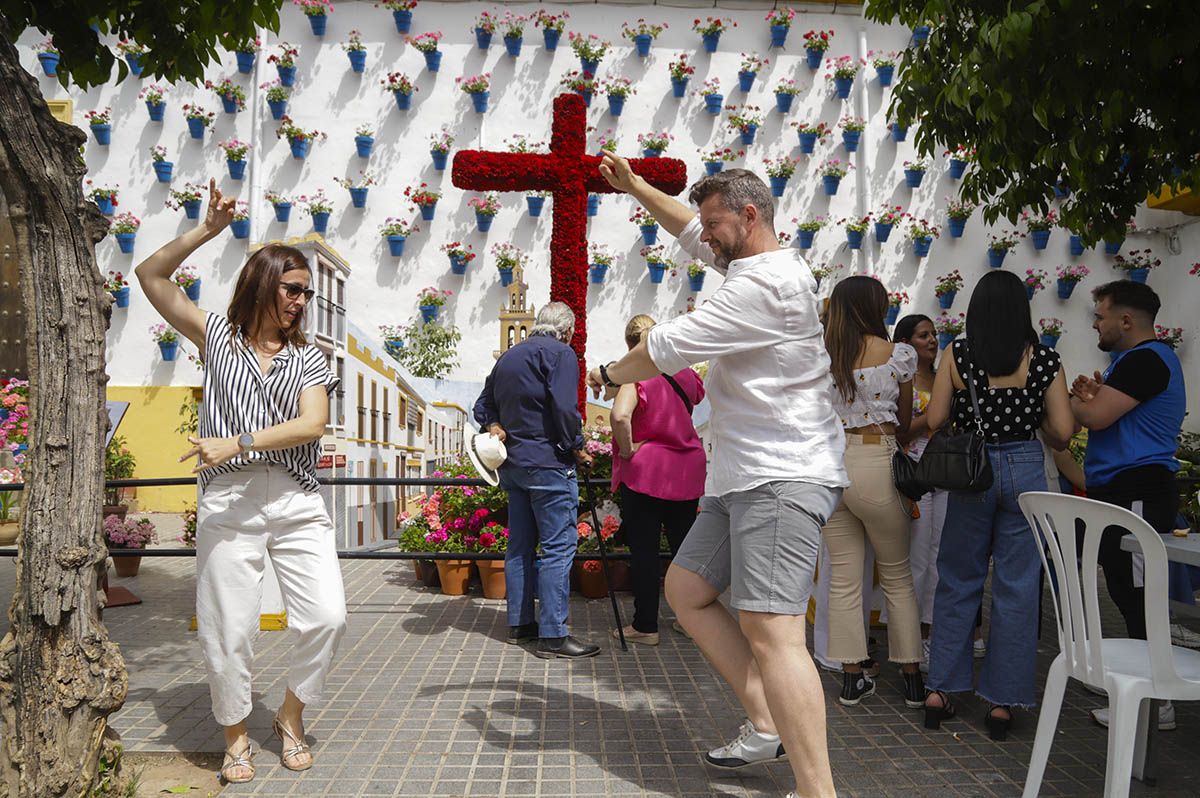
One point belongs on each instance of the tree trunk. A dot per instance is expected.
(60, 676)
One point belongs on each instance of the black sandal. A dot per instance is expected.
(935, 715)
(997, 727)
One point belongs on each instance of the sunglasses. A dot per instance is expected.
(294, 290)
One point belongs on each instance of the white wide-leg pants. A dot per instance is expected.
(241, 518)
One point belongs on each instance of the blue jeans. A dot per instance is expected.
(979, 526)
(543, 504)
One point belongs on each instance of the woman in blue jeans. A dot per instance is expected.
(1020, 389)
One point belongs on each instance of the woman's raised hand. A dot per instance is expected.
(220, 209)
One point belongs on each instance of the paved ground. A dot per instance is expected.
(426, 700)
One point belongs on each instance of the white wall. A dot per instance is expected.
(328, 96)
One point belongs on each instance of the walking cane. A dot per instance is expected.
(612, 594)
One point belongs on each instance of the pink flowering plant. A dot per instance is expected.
(745, 118)
(286, 57)
(787, 86)
(959, 209)
(843, 67)
(399, 83)
(114, 282)
(153, 93)
(508, 256)
(441, 141)
(949, 323)
(835, 168)
(1003, 242)
(880, 59)
(426, 42)
(721, 155)
(617, 87)
(551, 21)
(655, 141)
(487, 205)
(99, 117)
(191, 193)
(1073, 274)
(948, 284)
(809, 225)
(457, 519)
(1051, 326)
(1171, 336)
(235, 149)
(817, 40)
(122, 533)
(124, 223)
(897, 298)
(314, 8)
(889, 214)
(681, 68)
(14, 428)
(1035, 279)
(228, 90)
(590, 47)
(782, 166)
(289, 130)
(1037, 221)
(1136, 259)
(821, 129)
(431, 296)
(752, 63)
(475, 84)
(711, 25)
(780, 17)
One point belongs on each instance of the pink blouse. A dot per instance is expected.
(670, 463)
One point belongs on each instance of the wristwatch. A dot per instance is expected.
(245, 441)
(604, 376)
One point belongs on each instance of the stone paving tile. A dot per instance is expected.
(426, 699)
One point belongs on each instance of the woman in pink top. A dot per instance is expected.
(658, 467)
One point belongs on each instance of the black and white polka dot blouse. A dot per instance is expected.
(1008, 413)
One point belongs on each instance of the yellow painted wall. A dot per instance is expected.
(149, 431)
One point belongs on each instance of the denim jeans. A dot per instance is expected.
(543, 504)
(979, 526)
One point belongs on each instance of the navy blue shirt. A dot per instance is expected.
(533, 393)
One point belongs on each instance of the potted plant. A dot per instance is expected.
(105, 197)
(358, 188)
(118, 287)
(460, 256)
(233, 97)
(277, 98)
(534, 201)
(899, 130)
(121, 533)
(156, 106)
(430, 300)
(680, 71)
(486, 208)
(617, 90)
(852, 128)
(1075, 245)
(10, 526)
(1069, 277)
(484, 28)
(393, 344)
(657, 262)
(922, 234)
(396, 231)
(48, 56)
(188, 199)
(167, 340)
(780, 171)
(779, 22)
(364, 140)
(427, 44)
(653, 144)
(784, 239)
(895, 300)
(809, 135)
(746, 121)
(281, 203)
(647, 224)
(401, 13)
(710, 31)
(285, 63)
(590, 49)
(599, 259)
(695, 272)
(1171, 336)
(246, 53)
(948, 327)
(957, 214)
(318, 12)
(914, 172)
(593, 204)
(402, 88)
(832, 172)
(100, 123)
(552, 26)
(607, 142)
(750, 67)
(582, 83)
(785, 94)
(299, 138)
(119, 463)
(1113, 245)
(133, 52)
(198, 119)
(821, 271)
(319, 207)
(710, 92)
(885, 220)
(920, 34)
(508, 256)
(1035, 280)
(478, 87)
(439, 147)
(1039, 226)
(642, 34)
(959, 157)
(807, 230)
(424, 198)
(235, 157)
(240, 224)
(162, 167)
(999, 246)
(1052, 330)
(186, 278)
(843, 71)
(124, 228)
(715, 160)
(356, 51)
(492, 539)
(1137, 264)
(816, 42)
(885, 66)
(947, 288)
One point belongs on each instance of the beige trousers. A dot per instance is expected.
(870, 509)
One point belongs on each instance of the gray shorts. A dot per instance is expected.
(761, 544)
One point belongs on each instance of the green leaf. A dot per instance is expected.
(181, 789)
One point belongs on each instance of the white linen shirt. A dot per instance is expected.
(768, 377)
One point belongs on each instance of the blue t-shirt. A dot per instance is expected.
(1148, 434)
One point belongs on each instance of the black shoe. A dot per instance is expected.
(997, 725)
(914, 690)
(856, 687)
(525, 633)
(870, 667)
(934, 715)
(564, 647)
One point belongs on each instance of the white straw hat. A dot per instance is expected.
(487, 453)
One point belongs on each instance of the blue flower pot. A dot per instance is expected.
(913, 177)
(439, 159)
(512, 45)
(921, 245)
(1112, 247)
(885, 75)
(483, 221)
(945, 339)
(156, 111)
(642, 42)
(649, 234)
(920, 34)
(946, 301)
(650, 152)
(712, 103)
(429, 313)
(596, 272)
(779, 35)
(1138, 275)
(363, 145)
(850, 139)
(899, 132)
(299, 147)
(710, 40)
(679, 86)
(433, 60)
(804, 238)
(593, 204)
(1048, 340)
(318, 24)
(808, 143)
(783, 101)
(746, 80)
(814, 57)
(479, 101)
(168, 350)
(957, 167)
(229, 103)
(394, 346)
(506, 276)
(191, 209)
(854, 239)
(589, 66)
(778, 184)
(396, 245)
(842, 87)
(103, 134)
(458, 265)
(1040, 238)
(587, 98)
(49, 62)
(121, 296)
(535, 205)
(996, 257)
(657, 270)
(483, 39)
(162, 170)
(403, 20)
(125, 242)
(196, 127)
(320, 221)
(1029, 291)
(883, 231)
(193, 291)
(240, 228)
(550, 38)
(245, 62)
(278, 108)
(283, 210)
(403, 101)
(237, 169)
(358, 196)
(1066, 288)
(893, 313)
(712, 167)
(287, 75)
(956, 227)
(616, 104)
(696, 282)
(135, 64)
(1076, 245)
(427, 212)
(105, 204)
(830, 183)
(748, 134)
(358, 60)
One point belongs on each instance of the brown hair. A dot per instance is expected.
(254, 296)
(636, 329)
(856, 309)
(737, 189)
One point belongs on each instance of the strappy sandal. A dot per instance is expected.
(935, 715)
(997, 725)
(243, 760)
(291, 746)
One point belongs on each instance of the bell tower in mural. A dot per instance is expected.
(516, 316)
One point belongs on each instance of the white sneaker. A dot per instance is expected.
(750, 747)
(1183, 636)
(979, 648)
(1166, 716)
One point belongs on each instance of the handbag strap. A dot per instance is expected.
(686, 402)
(970, 381)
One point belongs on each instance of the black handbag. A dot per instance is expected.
(955, 458)
(904, 474)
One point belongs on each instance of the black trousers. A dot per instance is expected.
(643, 521)
(1154, 487)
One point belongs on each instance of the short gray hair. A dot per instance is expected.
(737, 189)
(555, 319)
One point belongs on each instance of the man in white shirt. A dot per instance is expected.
(776, 473)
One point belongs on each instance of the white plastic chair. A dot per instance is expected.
(1131, 671)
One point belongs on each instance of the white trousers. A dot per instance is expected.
(923, 553)
(242, 519)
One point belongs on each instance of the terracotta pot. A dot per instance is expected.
(119, 510)
(491, 574)
(9, 532)
(591, 583)
(429, 573)
(455, 576)
(416, 564)
(127, 566)
(620, 577)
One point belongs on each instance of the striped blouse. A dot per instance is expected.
(239, 398)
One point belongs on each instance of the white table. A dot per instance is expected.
(1185, 549)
